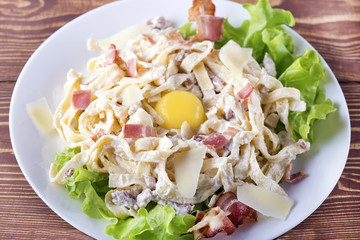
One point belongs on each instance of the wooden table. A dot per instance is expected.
(331, 26)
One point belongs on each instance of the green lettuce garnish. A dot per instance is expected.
(161, 222)
(93, 186)
(262, 27)
(305, 74)
(61, 158)
(186, 30)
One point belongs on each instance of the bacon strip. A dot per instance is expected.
(295, 177)
(218, 140)
(131, 67)
(245, 92)
(211, 223)
(139, 131)
(111, 54)
(201, 7)
(238, 211)
(209, 28)
(226, 215)
(81, 99)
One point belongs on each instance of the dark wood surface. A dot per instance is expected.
(331, 26)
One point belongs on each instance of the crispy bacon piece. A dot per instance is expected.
(238, 211)
(226, 215)
(295, 177)
(81, 99)
(111, 54)
(201, 7)
(209, 28)
(139, 131)
(211, 223)
(245, 92)
(131, 67)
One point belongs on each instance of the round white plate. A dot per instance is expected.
(45, 74)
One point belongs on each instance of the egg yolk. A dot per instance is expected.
(177, 107)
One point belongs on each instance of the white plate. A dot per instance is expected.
(45, 74)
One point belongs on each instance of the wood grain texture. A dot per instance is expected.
(331, 26)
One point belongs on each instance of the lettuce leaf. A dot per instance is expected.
(186, 30)
(160, 222)
(61, 158)
(305, 74)
(260, 32)
(280, 47)
(93, 186)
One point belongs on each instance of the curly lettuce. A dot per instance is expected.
(305, 74)
(160, 222)
(61, 158)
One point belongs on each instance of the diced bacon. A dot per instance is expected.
(69, 172)
(219, 141)
(211, 223)
(139, 131)
(295, 177)
(188, 83)
(229, 114)
(81, 99)
(304, 145)
(238, 211)
(111, 54)
(98, 135)
(216, 141)
(245, 92)
(180, 56)
(209, 28)
(131, 67)
(218, 83)
(198, 138)
(201, 7)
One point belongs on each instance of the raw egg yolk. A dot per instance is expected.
(177, 107)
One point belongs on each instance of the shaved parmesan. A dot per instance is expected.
(234, 57)
(120, 40)
(266, 202)
(202, 77)
(41, 115)
(131, 94)
(187, 170)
